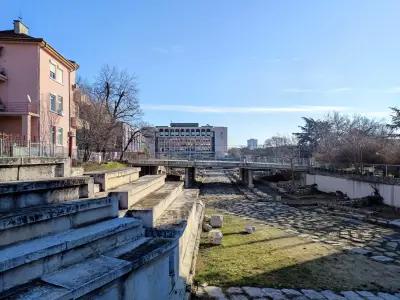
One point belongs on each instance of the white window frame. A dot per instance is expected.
(58, 72)
(60, 105)
(59, 75)
(53, 132)
(60, 130)
(55, 103)
(55, 71)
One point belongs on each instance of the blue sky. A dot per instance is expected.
(254, 66)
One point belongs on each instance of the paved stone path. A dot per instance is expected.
(246, 293)
(378, 243)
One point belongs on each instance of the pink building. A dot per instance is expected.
(36, 90)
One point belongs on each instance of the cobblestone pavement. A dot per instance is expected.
(246, 292)
(377, 243)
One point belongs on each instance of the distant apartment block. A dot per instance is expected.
(252, 144)
(36, 90)
(189, 140)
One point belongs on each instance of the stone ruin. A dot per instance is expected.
(103, 235)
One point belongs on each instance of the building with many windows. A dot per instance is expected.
(252, 144)
(189, 140)
(36, 91)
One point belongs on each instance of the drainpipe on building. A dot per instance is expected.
(69, 117)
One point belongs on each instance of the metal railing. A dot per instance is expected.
(21, 107)
(23, 148)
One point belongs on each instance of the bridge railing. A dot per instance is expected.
(223, 163)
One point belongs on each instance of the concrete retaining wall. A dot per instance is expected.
(12, 168)
(355, 188)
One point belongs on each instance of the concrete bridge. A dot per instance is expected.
(246, 168)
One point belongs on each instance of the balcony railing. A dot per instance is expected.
(20, 107)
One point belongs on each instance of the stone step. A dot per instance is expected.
(96, 278)
(23, 262)
(131, 193)
(153, 205)
(111, 179)
(74, 281)
(179, 211)
(21, 194)
(33, 222)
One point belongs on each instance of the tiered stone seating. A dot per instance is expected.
(20, 194)
(61, 247)
(114, 178)
(131, 193)
(149, 208)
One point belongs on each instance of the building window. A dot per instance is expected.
(60, 136)
(59, 76)
(60, 108)
(52, 134)
(53, 71)
(53, 104)
(56, 73)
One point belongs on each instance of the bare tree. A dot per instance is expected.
(142, 133)
(108, 103)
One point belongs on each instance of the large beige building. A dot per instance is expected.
(189, 140)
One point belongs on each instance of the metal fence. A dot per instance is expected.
(25, 148)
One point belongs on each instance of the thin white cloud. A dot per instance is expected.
(244, 109)
(299, 91)
(339, 90)
(376, 114)
(320, 91)
(174, 49)
(389, 90)
(393, 90)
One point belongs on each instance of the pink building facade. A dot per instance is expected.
(36, 90)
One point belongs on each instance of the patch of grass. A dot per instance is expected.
(111, 165)
(274, 258)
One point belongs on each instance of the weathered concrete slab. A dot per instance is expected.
(153, 205)
(85, 277)
(114, 178)
(74, 281)
(148, 251)
(20, 194)
(33, 222)
(131, 193)
(179, 211)
(32, 250)
(33, 168)
(29, 260)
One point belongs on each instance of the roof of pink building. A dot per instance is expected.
(11, 36)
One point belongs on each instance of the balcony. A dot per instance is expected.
(19, 108)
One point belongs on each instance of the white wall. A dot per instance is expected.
(355, 188)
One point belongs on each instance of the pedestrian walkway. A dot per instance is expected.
(253, 293)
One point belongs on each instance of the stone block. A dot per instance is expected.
(215, 237)
(250, 229)
(217, 221)
(253, 291)
(207, 227)
(114, 178)
(382, 258)
(133, 192)
(153, 205)
(21, 194)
